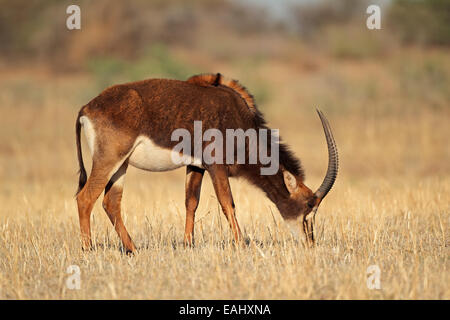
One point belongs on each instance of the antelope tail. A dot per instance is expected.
(83, 177)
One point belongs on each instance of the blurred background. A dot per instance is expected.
(386, 92)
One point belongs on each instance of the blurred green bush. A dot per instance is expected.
(421, 21)
(116, 32)
(156, 61)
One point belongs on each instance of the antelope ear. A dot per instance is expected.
(290, 182)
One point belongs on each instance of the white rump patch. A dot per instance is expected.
(146, 155)
(89, 132)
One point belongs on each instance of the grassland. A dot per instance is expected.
(389, 207)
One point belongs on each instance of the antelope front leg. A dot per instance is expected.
(194, 177)
(219, 176)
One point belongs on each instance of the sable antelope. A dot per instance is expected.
(132, 124)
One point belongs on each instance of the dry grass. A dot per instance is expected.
(390, 206)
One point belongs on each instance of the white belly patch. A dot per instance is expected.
(145, 154)
(149, 156)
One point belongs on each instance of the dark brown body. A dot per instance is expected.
(154, 109)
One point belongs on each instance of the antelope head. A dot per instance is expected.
(301, 207)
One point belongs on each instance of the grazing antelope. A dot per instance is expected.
(131, 124)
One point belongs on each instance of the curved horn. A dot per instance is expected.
(333, 160)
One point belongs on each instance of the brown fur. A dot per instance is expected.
(290, 162)
(218, 79)
(155, 108)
